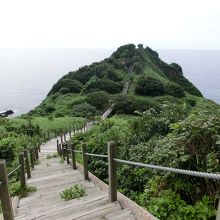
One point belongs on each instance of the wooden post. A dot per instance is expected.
(70, 133)
(59, 150)
(5, 194)
(67, 154)
(39, 147)
(112, 171)
(73, 155)
(64, 135)
(218, 211)
(44, 137)
(85, 162)
(32, 158)
(61, 138)
(58, 146)
(22, 170)
(27, 165)
(63, 151)
(36, 153)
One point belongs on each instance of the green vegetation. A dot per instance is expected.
(17, 190)
(89, 91)
(73, 192)
(162, 120)
(25, 132)
(177, 134)
(50, 156)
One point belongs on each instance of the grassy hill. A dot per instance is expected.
(91, 89)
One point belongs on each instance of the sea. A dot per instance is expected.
(27, 75)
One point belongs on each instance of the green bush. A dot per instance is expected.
(128, 104)
(7, 148)
(105, 85)
(17, 190)
(174, 90)
(65, 86)
(177, 67)
(73, 192)
(149, 86)
(84, 110)
(99, 99)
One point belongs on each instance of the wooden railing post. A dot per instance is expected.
(5, 194)
(44, 137)
(218, 211)
(73, 155)
(58, 146)
(27, 165)
(64, 135)
(70, 133)
(39, 145)
(59, 150)
(67, 153)
(32, 158)
(85, 162)
(64, 151)
(61, 138)
(22, 170)
(36, 153)
(112, 171)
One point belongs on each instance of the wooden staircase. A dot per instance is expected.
(51, 177)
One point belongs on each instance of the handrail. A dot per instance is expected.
(172, 170)
(14, 170)
(97, 155)
(77, 151)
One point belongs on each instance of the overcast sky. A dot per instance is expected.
(161, 24)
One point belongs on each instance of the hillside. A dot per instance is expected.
(91, 89)
(159, 118)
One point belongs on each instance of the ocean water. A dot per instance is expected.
(201, 67)
(26, 76)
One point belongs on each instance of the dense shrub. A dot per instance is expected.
(127, 104)
(105, 85)
(84, 110)
(149, 86)
(7, 149)
(66, 85)
(49, 108)
(98, 99)
(177, 67)
(174, 90)
(126, 51)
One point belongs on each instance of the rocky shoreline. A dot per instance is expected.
(6, 113)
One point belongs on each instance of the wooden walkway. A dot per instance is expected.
(51, 177)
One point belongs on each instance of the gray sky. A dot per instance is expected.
(163, 24)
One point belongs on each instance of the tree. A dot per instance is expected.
(99, 99)
(149, 86)
(174, 90)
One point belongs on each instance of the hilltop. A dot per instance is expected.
(91, 89)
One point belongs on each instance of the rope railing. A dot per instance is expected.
(172, 170)
(97, 155)
(13, 171)
(112, 167)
